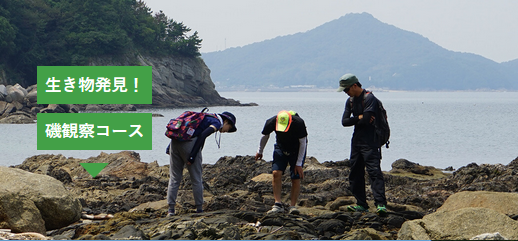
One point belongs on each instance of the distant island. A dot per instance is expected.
(381, 55)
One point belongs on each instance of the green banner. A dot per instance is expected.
(94, 131)
(94, 84)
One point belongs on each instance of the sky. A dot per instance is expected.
(486, 28)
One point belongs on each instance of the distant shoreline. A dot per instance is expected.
(219, 90)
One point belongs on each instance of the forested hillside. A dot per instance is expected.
(70, 32)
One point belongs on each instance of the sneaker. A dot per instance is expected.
(170, 212)
(293, 210)
(381, 210)
(357, 208)
(277, 208)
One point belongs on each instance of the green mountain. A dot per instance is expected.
(381, 55)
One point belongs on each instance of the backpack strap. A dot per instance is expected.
(351, 99)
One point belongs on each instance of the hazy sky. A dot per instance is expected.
(483, 27)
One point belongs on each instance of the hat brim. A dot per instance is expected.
(281, 127)
(340, 89)
(233, 129)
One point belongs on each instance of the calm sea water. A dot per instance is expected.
(438, 129)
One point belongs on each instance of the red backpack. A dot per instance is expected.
(182, 127)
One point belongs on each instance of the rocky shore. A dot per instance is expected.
(178, 82)
(127, 201)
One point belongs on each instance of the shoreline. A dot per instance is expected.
(238, 193)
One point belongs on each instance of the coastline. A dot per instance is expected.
(238, 194)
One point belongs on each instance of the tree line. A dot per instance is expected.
(70, 32)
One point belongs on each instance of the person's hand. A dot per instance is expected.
(298, 170)
(360, 117)
(190, 161)
(372, 119)
(258, 156)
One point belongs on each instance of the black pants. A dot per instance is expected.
(366, 158)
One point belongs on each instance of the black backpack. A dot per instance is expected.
(380, 124)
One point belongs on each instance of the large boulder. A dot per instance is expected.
(502, 202)
(15, 94)
(461, 224)
(35, 203)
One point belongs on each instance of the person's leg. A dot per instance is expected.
(176, 164)
(295, 178)
(195, 172)
(279, 164)
(295, 190)
(277, 185)
(357, 176)
(373, 167)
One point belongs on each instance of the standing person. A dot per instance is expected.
(189, 152)
(365, 153)
(290, 148)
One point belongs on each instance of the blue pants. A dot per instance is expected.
(281, 159)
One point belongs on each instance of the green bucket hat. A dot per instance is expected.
(347, 80)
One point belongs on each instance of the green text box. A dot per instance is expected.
(94, 131)
(94, 85)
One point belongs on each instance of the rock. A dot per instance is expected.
(3, 106)
(365, 234)
(9, 108)
(41, 195)
(19, 118)
(162, 204)
(459, 224)
(20, 88)
(263, 177)
(3, 90)
(130, 232)
(14, 94)
(19, 214)
(53, 108)
(489, 236)
(505, 203)
(339, 202)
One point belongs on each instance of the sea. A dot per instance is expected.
(440, 129)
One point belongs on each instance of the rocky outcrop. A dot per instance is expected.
(494, 212)
(177, 81)
(502, 202)
(19, 105)
(238, 192)
(461, 224)
(35, 203)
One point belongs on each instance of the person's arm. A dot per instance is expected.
(347, 119)
(366, 118)
(300, 158)
(302, 150)
(262, 144)
(199, 143)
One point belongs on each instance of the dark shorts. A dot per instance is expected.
(281, 160)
